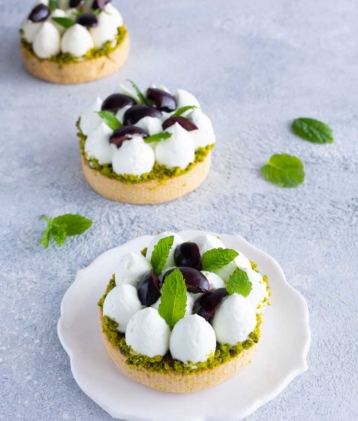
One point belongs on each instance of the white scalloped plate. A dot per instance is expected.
(280, 357)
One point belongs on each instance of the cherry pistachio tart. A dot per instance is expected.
(183, 316)
(145, 148)
(73, 41)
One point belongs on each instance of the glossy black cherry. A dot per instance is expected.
(39, 13)
(137, 112)
(184, 122)
(188, 254)
(126, 133)
(149, 289)
(195, 281)
(88, 21)
(76, 3)
(116, 102)
(162, 100)
(206, 305)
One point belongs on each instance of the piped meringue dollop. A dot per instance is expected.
(152, 125)
(178, 150)
(258, 292)
(89, 118)
(106, 29)
(114, 12)
(47, 41)
(185, 98)
(121, 304)
(147, 333)
(30, 29)
(76, 41)
(208, 242)
(234, 320)
(170, 260)
(134, 157)
(97, 144)
(131, 269)
(192, 340)
(205, 135)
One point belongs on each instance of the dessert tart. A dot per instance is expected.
(183, 316)
(145, 148)
(73, 41)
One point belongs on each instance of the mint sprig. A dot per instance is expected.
(182, 110)
(284, 170)
(217, 258)
(312, 130)
(53, 5)
(65, 22)
(239, 283)
(139, 92)
(64, 226)
(158, 137)
(111, 120)
(172, 305)
(160, 253)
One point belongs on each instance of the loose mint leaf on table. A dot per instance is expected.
(62, 226)
(284, 170)
(182, 110)
(111, 120)
(53, 5)
(139, 93)
(312, 130)
(239, 283)
(173, 300)
(158, 137)
(65, 22)
(160, 253)
(217, 258)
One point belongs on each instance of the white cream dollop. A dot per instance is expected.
(58, 13)
(184, 99)
(170, 260)
(192, 340)
(147, 333)
(152, 125)
(131, 268)
(106, 30)
(189, 304)
(30, 30)
(205, 135)
(89, 118)
(114, 12)
(258, 292)
(234, 320)
(47, 41)
(76, 41)
(208, 242)
(134, 157)
(97, 144)
(121, 304)
(241, 262)
(178, 150)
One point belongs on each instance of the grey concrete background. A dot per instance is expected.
(254, 65)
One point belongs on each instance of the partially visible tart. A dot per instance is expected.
(200, 341)
(73, 41)
(145, 148)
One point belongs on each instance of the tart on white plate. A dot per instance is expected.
(73, 41)
(183, 316)
(145, 148)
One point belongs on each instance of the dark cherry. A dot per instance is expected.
(99, 4)
(76, 3)
(117, 101)
(195, 281)
(88, 21)
(125, 133)
(149, 289)
(137, 112)
(184, 122)
(163, 101)
(206, 305)
(188, 254)
(39, 13)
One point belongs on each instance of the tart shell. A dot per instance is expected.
(174, 382)
(79, 72)
(149, 192)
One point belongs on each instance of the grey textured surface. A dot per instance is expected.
(254, 65)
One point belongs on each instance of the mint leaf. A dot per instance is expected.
(172, 305)
(160, 253)
(58, 232)
(312, 130)
(217, 258)
(65, 22)
(53, 5)
(182, 110)
(239, 283)
(45, 241)
(158, 137)
(111, 120)
(139, 93)
(284, 170)
(74, 224)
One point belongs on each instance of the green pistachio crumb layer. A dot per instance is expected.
(66, 58)
(167, 364)
(159, 172)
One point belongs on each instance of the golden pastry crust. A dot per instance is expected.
(174, 382)
(149, 192)
(79, 72)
